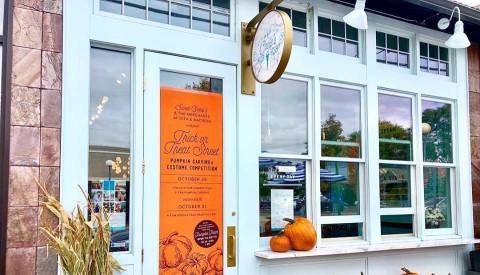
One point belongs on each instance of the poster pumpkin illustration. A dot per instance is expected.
(191, 182)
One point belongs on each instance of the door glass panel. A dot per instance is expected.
(191, 173)
(109, 140)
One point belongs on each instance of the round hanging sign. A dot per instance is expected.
(272, 46)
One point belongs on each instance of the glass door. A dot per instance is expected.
(190, 199)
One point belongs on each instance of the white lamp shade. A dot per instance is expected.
(459, 39)
(357, 18)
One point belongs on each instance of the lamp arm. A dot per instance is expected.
(453, 11)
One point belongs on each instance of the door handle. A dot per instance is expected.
(231, 246)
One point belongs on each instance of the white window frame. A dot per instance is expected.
(451, 59)
(411, 44)
(321, 220)
(308, 158)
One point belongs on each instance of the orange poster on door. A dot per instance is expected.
(191, 182)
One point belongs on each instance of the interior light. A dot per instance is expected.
(358, 17)
(459, 39)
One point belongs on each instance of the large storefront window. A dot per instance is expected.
(284, 166)
(110, 139)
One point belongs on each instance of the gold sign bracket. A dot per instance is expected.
(248, 32)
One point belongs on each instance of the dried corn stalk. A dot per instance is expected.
(82, 245)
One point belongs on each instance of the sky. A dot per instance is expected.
(469, 2)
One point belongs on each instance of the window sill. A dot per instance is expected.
(353, 249)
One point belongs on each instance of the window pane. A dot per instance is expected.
(438, 210)
(201, 3)
(262, 5)
(158, 11)
(191, 82)
(135, 8)
(201, 19)
(395, 182)
(403, 60)
(282, 190)
(338, 46)
(352, 48)
(443, 67)
(338, 28)
(404, 44)
(395, 127)
(299, 19)
(433, 66)
(381, 55)
(324, 25)
(341, 134)
(221, 24)
(343, 230)
(433, 51)
(424, 49)
(392, 57)
(109, 140)
(392, 42)
(381, 39)
(352, 33)
(180, 15)
(222, 5)
(324, 43)
(339, 188)
(423, 64)
(396, 224)
(444, 54)
(114, 6)
(300, 37)
(284, 117)
(437, 131)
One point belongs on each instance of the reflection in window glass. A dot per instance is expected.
(135, 8)
(395, 184)
(434, 59)
(202, 15)
(109, 140)
(284, 117)
(393, 50)
(337, 37)
(343, 230)
(395, 127)
(341, 130)
(339, 188)
(191, 82)
(437, 131)
(396, 224)
(282, 190)
(437, 195)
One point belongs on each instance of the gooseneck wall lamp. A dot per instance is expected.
(357, 18)
(459, 39)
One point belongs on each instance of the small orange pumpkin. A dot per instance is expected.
(195, 264)
(215, 260)
(280, 243)
(174, 249)
(301, 233)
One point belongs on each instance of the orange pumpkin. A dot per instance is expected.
(170, 271)
(174, 249)
(280, 243)
(215, 260)
(213, 272)
(195, 264)
(301, 233)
